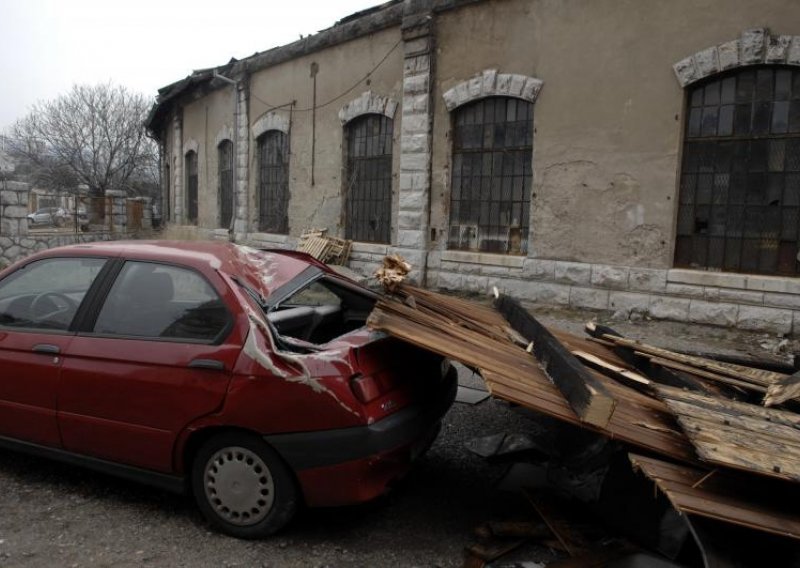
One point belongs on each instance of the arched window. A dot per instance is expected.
(492, 175)
(191, 187)
(368, 183)
(225, 167)
(273, 182)
(739, 197)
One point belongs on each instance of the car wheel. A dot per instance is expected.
(242, 486)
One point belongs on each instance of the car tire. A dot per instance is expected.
(242, 486)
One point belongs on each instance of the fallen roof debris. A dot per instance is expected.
(706, 419)
(330, 250)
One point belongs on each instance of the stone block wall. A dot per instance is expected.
(751, 302)
(14, 208)
(16, 242)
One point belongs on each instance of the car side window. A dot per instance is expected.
(46, 294)
(317, 294)
(151, 300)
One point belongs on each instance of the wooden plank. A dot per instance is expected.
(476, 335)
(738, 435)
(631, 423)
(782, 390)
(757, 377)
(716, 377)
(625, 376)
(586, 396)
(732, 407)
(725, 496)
(657, 373)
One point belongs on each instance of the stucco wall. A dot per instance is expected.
(203, 120)
(340, 68)
(609, 118)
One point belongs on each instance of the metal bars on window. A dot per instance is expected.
(739, 198)
(225, 165)
(492, 175)
(368, 190)
(191, 187)
(273, 182)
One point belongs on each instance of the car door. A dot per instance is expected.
(38, 303)
(158, 356)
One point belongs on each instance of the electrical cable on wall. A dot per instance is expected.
(337, 97)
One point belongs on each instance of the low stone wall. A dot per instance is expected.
(14, 248)
(761, 303)
(751, 302)
(16, 242)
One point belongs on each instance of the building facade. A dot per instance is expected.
(627, 155)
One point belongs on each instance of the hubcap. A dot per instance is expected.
(239, 486)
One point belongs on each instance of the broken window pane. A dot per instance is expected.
(490, 196)
(740, 182)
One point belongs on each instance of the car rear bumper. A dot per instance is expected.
(351, 465)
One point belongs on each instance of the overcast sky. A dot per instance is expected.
(46, 46)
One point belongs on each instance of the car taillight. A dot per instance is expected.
(366, 388)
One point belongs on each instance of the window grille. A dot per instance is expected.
(368, 189)
(191, 187)
(492, 175)
(739, 196)
(225, 165)
(273, 182)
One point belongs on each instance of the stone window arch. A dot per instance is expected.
(368, 103)
(490, 83)
(272, 120)
(755, 47)
(272, 153)
(368, 178)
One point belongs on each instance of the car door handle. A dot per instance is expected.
(46, 348)
(207, 364)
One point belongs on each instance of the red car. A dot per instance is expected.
(247, 377)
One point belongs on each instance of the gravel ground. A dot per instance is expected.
(58, 515)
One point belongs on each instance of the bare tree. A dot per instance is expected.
(94, 135)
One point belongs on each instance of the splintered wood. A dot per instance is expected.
(686, 408)
(736, 434)
(479, 337)
(724, 497)
(393, 271)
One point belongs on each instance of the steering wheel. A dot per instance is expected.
(56, 302)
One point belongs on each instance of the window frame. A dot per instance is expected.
(225, 176)
(723, 213)
(381, 184)
(527, 175)
(192, 185)
(282, 184)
